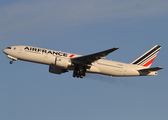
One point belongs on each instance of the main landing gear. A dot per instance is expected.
(79, 71)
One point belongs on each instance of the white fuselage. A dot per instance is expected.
(48, 57)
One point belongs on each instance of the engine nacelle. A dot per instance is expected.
(62, 62)
(56, 70)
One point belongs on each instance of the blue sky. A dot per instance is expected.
(29, 91)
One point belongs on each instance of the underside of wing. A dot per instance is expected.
(88, 59)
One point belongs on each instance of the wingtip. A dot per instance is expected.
(161, 67)
(115, 48)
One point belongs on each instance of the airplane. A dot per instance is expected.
(60, 62)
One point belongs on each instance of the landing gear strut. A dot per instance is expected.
(11, 62)
(79, 71)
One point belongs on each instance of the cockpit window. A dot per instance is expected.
(8, 48)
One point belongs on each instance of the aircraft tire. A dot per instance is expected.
(11, 62)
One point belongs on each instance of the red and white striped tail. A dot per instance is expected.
(147, 58)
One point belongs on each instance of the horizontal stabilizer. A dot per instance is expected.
(151, 69)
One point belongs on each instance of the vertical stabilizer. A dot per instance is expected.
(148, 57)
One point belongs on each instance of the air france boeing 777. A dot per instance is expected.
(60, 62)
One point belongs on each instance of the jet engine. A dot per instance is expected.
(56, 70)
(62, 62)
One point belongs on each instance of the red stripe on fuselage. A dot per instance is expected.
(148, 63)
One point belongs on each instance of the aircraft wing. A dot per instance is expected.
(88, 59)
(151, 69)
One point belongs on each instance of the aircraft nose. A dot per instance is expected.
(4, 51)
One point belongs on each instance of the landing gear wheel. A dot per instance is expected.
(79, 72)
(81, 76)
(11, 62)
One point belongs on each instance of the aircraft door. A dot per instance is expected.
(20, 50)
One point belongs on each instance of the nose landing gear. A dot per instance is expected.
(13, 58)
(11, 62)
